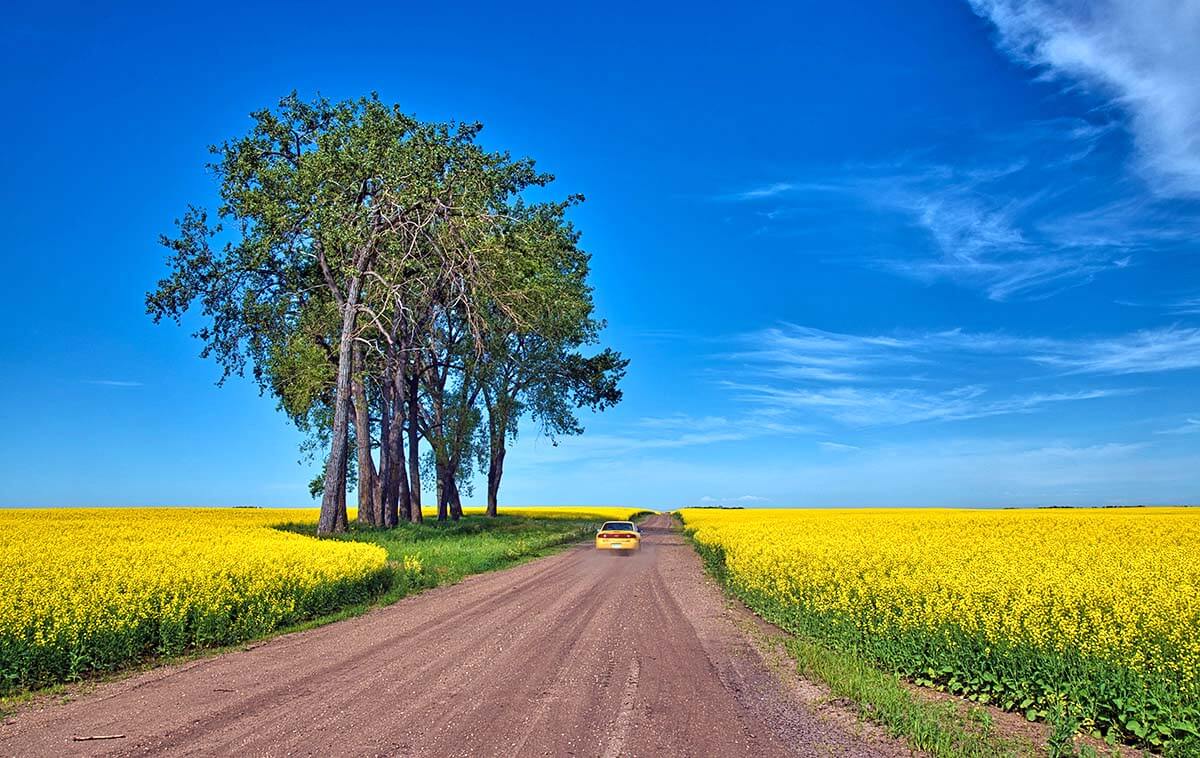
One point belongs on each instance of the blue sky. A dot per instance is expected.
(889, 254)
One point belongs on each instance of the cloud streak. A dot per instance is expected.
(1141, 55)
(1148, 351)
(764, 191)
(1189, 426)
(790, 351)
(984, 225)
(666, 433)
(861, 381)
(838, 447)
(989, 232)
(859, 407)
(1188, 306)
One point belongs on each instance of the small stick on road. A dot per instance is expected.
(99, 737)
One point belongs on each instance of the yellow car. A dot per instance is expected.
(618, 535)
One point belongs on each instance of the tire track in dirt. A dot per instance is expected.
(624, 716)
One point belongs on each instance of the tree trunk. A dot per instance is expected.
(414, 451)
(387, 452)
(495, 471)
(444, 480)
(401, 501)
(396, 505)
(385, 463)
(342, 519)
(333, 506)
(450, 488)
(454, 499)
(369, 511)
(497, 439)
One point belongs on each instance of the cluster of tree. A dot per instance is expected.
(388, 282)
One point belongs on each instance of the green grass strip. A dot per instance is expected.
(939, 728)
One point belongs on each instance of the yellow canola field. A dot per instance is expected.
(93, 588)
(1102, 605)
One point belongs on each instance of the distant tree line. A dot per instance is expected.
(388, 282)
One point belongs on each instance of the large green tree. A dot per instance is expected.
(375, 271)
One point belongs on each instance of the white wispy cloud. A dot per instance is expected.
(113, 383)
(664, 335)
(1129, 224)
(838, 447)
(666, 433)
(685, 421)
(1187, 306)
(790, 351)
(759, 193)
(799, 352)
(864, 407)
(1189, 426)
(1141, 55)
(858, 380)
(987, 234)
(610, 445)
(984, 226)
(1147, 351)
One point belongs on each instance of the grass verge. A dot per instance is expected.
(431, 554)
(939, 728)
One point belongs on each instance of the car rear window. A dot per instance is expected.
(618, 526)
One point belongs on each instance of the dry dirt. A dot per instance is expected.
(578, 654)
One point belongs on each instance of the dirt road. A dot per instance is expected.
(577, 654)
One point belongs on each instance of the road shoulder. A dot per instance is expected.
(751, 661)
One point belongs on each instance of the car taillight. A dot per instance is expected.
(615, 536)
